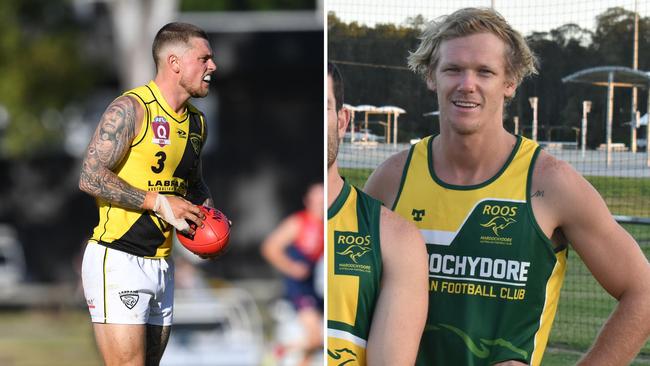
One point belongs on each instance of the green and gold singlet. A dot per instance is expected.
(353, 276)
(494, 276)
(161, 158)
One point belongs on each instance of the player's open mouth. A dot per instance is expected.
(464, 104)
(207, 78)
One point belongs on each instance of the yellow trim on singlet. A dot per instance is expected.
(507, 185)
(345, 220)
(553, 287)
(354, 274)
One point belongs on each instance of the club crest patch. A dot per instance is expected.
(352, 251)
(129, 298)
(160, 128)
(197, 142)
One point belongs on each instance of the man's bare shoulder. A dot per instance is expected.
(397, 231)
(126, 109)
(384, 182)
(548, 166)
(404, 253)
(554, 175)
(136, 104)
(561, 196)
(128, 102)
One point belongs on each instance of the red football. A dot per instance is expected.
(210, 239)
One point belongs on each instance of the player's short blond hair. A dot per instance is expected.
(520, 60)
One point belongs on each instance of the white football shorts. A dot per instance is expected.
(121, 288)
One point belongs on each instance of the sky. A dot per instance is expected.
(524, 15)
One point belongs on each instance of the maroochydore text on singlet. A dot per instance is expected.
(494, 277)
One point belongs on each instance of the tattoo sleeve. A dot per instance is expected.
(107, 148)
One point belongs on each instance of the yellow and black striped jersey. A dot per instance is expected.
(161, 158)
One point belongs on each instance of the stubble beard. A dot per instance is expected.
(199, 94)
(332, 150)
(193, 92)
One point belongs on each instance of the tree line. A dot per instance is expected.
(373, 62)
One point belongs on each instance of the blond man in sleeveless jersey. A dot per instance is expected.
(143, 168)
(497, 212)
(377, 275)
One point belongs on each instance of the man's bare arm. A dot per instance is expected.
(108, 146)
(401, 312)
(274, 248)
(610, 253)
(384, 182)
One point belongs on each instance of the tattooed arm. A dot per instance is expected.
(108, 146)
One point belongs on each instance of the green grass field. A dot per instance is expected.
(356, 177)
(563, 357)
(54, 338)
(584, 305)
(64, 337)
(624, 196)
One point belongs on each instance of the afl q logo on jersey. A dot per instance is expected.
(160, 131)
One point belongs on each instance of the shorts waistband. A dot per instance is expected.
(108, 245)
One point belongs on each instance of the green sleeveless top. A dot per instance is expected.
(353, 276)
(495, 277)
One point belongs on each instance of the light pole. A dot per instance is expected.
(635, 62)
(516, 121)
(586, 108)
(610, 116)
(533, 104)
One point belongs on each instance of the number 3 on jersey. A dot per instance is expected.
(161, 162)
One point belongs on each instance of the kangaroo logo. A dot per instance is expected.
(418, 214)
(354, 252)
(498, 223)
(344, 355)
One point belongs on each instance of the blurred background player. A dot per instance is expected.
(295, 249)
(143, 167)
(377, 265)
